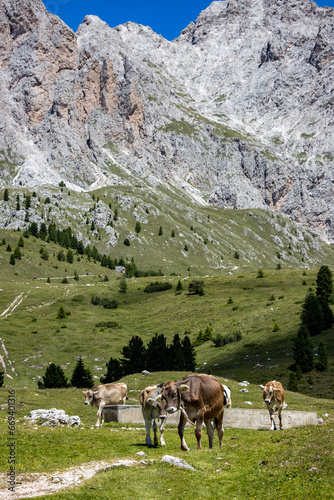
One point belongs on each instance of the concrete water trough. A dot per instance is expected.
(233, 417)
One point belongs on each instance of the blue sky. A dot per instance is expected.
(166, 18)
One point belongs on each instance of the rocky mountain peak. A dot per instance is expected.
(238, 109)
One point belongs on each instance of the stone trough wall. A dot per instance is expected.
(233, 417)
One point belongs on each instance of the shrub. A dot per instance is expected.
(126, 242)
(196, 287)
(324, 283)
(276, 328)
(157, 287)
(220, 340)
(1, 378)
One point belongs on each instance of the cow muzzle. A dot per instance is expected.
(171, 409)
(86, 403)
(267, 401)
(162, 417)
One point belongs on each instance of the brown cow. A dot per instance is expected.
(273, 396)
(152, 412)
(200, 397)
(103, 395)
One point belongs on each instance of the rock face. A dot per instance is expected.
(238, 109)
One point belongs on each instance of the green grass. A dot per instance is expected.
(293, 463)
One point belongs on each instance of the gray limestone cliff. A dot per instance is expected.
(238, 110)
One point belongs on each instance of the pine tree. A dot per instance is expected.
(324, 283)
(134, 356)
(175, 354)
(1, 378)
(5, 195)
(157, 354)
(160, 231)
(61, 313)
(189, 354)
(179, 286)
(292, 384)
(123, 286)
(114, 371)
(81, 376)
(303, 349)
(69, 256)
(137, 227)
(12, 260)
(54, 378)
(312, 315)
(327, 313)
(322, 363)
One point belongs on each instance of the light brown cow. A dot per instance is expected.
(152, 412)
(200, 397)
(273, 396)
(103, 395)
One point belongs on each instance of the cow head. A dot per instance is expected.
(89, 396)
(269, 392)
(171, 394)
(157, 402)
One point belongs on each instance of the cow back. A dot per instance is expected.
(112, 394)
(204, 390)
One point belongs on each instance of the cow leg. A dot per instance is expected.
(209, 430)
(220, 428)
(100, 414)
(272, 418)
(155, 427)
(280, 418)
(198, 429)
(148, 431)
(162, 429)
(181, 426)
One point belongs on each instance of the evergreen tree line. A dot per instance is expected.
(55, 378)
(157, 356)
(316, 316)
(66, 239)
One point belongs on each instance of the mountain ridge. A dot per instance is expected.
(237, 110)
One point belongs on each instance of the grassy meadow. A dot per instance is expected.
(294, 463)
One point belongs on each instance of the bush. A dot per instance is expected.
(1, 378)
(104, 301)
(196, 287)
(322, 363)
(54, 378)
(221, 340)
(157, 287)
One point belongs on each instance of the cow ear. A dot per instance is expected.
(184, 387)
(95, 392)
(158, 398)
(152, 401)
(276, 389)
(84, 392)
(262, 386)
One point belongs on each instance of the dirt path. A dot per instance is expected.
(16, 302)
(35, 485)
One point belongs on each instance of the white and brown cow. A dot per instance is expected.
(273, 396)
(200, 398)
(153, 411)
(103, 395)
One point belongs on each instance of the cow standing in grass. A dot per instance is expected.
(103, 395)
(200, 398)
(273, 396)
(153, 411)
